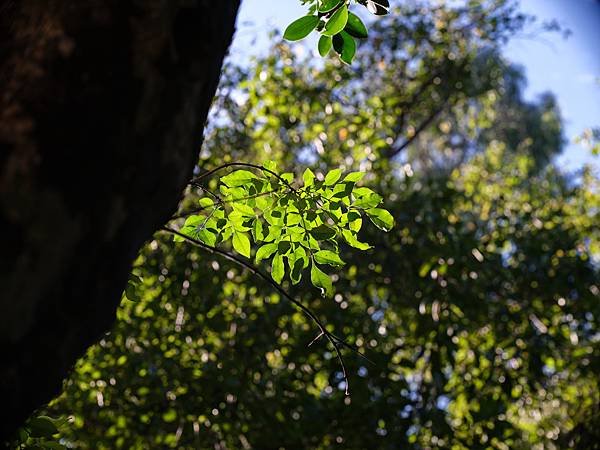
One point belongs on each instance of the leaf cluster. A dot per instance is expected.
(339, 27)
(295, 228)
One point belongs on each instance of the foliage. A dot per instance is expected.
(40, 432)
(479, 309)
(590, 139)
(479, 318)
(338, 26)
(299, 224)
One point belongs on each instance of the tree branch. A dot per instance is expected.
(393, 151)
(335, 341)
(196, 181)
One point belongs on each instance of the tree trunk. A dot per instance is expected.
(102, 107)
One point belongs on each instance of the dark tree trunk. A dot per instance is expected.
(103, 104)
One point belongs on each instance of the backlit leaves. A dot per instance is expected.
(292, 227)
(339, 27)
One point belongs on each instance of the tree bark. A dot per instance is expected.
(102, 109)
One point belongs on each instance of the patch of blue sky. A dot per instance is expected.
(569, 68)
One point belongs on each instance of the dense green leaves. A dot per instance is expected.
(294, 226)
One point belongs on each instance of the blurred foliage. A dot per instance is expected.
(479, 309)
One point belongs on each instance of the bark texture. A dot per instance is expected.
(102, 109)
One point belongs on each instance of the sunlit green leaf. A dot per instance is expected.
(328, 257)
(300, 28)
(277, 268)
(238, 178)
(381, 218)
(265, 252)
(337, 22)
(241, 243)
(332, 177)
(321, 280)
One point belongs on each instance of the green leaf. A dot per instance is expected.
(343, 189)
(257, 231)
(244, 209)
(328, 5)
(328, 257)
(277, 268)
(308, 177)
(381, 218)
(354, 177)
(324, 45)
(131, 292)
(321, 280)
(237, 220)
(353, 241)
(274, 233)
(207, 236)
(297, 262)
(206, 202)
(322, 232)
(41, 426)
(368, 201)
(337, 22)
(238, 178)
(355, 27)
(265, 252)
(293, 219)
(241, 243)
(345, 46)
(332, 177)
(355, 225)
(300, 28)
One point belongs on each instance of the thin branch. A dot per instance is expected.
(315, 339)
(393, 151)
(332, 338)
(196, 181)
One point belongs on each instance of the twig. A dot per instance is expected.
(199, 178)
(333, 339)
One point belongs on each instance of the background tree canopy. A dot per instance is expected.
(479, 310)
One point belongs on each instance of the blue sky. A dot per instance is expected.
(568, 68)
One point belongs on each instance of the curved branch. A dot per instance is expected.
(197, 180)
(332, 338)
